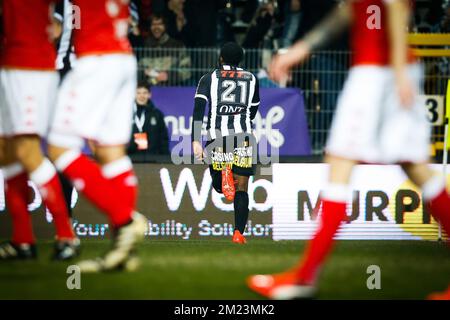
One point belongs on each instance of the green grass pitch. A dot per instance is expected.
(216, 269)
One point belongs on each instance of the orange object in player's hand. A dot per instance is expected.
(228, 188)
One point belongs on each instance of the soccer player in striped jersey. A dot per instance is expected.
(63, 19)
(233, 97)
(380, 118)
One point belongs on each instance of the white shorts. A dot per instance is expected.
(27, 101)
(95, 102)
(370, 125)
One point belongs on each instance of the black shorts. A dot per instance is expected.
(239, 151)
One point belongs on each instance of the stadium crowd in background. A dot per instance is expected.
(255, 24)
(270, 24)
(168, 62)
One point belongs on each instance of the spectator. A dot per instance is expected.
(248, 10)
(176, 20)
(226, 19)
(293, 18)
(260, 25)
(145, 9)
(169, 64)
(313, 11)
(428, 16)
(149, 135)
(201, 22)
(445, 23)
(134, 33)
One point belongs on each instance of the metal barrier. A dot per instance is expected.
(321, 78)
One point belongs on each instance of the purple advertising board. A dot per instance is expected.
(280, 123)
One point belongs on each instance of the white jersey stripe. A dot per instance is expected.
(232, 98)
(224, 126)
(237, 123)
(250, 99)
(65, 43)
(202, 96)
(214, 84)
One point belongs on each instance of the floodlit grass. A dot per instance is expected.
(217, 269)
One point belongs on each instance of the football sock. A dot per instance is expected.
(240, 210)
(438, 201)
(334, 201)
(67, 191)
(87, 177)
(16, 196)
(121, 177)
(47, 181)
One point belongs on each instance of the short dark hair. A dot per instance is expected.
(144, 84)
(232, 53)
(157, 16)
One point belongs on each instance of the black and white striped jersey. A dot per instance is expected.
(65, 52)
(233, 97)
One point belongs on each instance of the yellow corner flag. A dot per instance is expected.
(447, 115)
(447, 102)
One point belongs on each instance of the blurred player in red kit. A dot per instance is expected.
(95, 103)
(28, 84)
(379, 119)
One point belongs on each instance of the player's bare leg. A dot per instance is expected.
(22, 244)
(300, 281)
(2, 150)
(437, 200)
(240, 208)
(434, 192)
(6, 152)
(27, 150)
(112, 187)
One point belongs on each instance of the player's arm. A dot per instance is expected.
(398, 12)
(326, 31)
(254, 105)
(57, 21)
(197, 118)
(1, 16)
(164, 135)
(202, 97)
